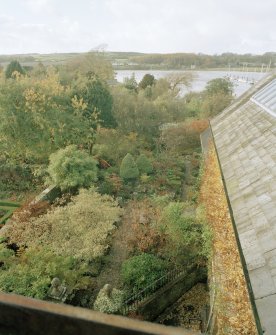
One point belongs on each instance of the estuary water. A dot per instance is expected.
(242, 80)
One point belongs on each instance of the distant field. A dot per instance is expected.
(59, 58)
(142, 61)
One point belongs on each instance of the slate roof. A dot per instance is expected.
(266, 98)
(245, 138)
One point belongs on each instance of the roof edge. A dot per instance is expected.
(245, 96)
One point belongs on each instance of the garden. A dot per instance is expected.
(126, 161)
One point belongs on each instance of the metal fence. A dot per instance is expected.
(131, 304)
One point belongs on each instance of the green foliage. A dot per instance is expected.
(215, 103)
(147, 80)
(71, 168)
(131, 83)
(214, 99)
(109, 303)
(181, 138)
(144, 164)
(80, 229)
(217, 96)
(160, 88)
(169, 172)
(6, 255)
(32, 272)
(15, 178)
(183, 230)
(14, 66)
(140, 271)
(161, 200)
(106, 187)
(219, 85)
(148, 110)
(128, 169)
(207, 234)
(188, 60)
(39, 70)
(112, 145)
(98, 99)
(37, 118)
(81, 65)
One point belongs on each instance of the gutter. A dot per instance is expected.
(243, 263)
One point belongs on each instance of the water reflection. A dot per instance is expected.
(242, 80)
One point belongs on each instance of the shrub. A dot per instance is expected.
(144, 235)
(105, 187)
(14, 66)
(111, 184)
(170, 172)
(15, 178)
(80, 229)
(128, 168)
(144, 165)
(140, 271)
(184, 232)
(109, 302)
(31, 273)
(70, 168)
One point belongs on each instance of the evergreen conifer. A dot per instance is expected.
(128, 168)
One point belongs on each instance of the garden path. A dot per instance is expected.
(118, 252)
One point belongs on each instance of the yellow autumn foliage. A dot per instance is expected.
(81, 229)
(78, 104)
(34, 100)
(51, 83)
(232, 309)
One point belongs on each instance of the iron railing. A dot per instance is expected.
(131, 303)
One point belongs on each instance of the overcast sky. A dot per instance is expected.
(207, 26)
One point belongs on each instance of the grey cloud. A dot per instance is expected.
(208, 26)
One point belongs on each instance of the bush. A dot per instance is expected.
(32, 272)
(128, 168)
(14, 178)
(81, 229)
(144, 165)
(140, 271)
(109, 302)
(169, 172)
(14, 66)
(71, 168)
(184, 232)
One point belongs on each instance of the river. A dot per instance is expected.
(202, 77)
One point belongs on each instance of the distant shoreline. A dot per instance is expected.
(238, 69)
(132, 61)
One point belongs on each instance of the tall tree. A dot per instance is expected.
(147, 80)
(14, 66)
(98, 99)
(37, 118)
(83, 64)
(176, 80)
(219, 85)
